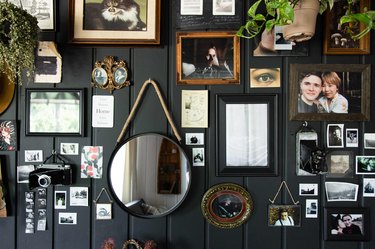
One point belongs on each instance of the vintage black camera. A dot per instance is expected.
(47, 174)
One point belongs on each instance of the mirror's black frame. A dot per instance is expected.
(123, 206)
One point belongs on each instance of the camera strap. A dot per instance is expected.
(54, 156)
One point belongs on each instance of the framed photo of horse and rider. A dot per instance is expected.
(329, 92)
(107, 22)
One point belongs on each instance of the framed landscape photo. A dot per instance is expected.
(227, 205)
(352, 92)
(336, 40)
(341, 191)
(205, 58)
(91, 22)
(347, 223)
(54, 112)
(246, 134)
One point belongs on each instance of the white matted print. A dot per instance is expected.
(33, 156)
(191, 7)
(351, 137)
(369, 187)
(369, 140)
(341, 191)
(198, 156)
(223, 7)
(60, 199)
(311, 208)
(23, 172)
(194, 139)
(194, 104)
(67, 218)
(79, 196)
(69, 148)
(335, 136)
(308, 189)
(103, 211)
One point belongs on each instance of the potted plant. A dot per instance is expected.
(18, 40)
(288, 14)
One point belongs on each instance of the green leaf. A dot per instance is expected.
(252, 10)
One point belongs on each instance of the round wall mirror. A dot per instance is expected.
(149, 175)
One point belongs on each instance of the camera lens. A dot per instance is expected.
(44, 181)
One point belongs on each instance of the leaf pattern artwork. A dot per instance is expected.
(92, 162)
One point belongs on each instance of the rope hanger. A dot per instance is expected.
(278, 191)
(136, 103)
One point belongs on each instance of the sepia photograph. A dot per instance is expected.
(265, 77)
(339, 164)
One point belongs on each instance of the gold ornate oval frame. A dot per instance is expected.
(227, 205)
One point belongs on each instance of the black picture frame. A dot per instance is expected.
(333, 222)
(357, 91)
(264, 136)
(293, 218)
(49, 120)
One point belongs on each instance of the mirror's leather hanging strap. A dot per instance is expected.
(134, 109)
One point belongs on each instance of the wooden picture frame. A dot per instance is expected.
(205, 58)
(141, 29)
(227, 205)
(251, 149)
(337, 41)
(355, 80)
(336, 220)
(54, 112)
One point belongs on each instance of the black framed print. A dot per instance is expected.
(329, 92)
(347, 223)
(54, 112)
(246, 134)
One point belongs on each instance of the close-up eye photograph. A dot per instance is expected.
(264, 77)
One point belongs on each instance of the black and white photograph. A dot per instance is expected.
(67, 218)
(191, 7)
(351, 137)
(369, 187)
(23, 172)
(335, 138)
(194, 138)
(103, 211)
(369, 140)
(339, 164)
(60, 199)
(284, 215)
(79, 196)
(341, 191)
(279, 42)
(198, 156)
(308, 189)
(69, 148)
(311, 208)
(365, 165)
(33, 156)
(223, 7)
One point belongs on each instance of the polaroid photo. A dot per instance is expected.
(308, 189)
(351, 137)
(194, 138)
(369, 187)
(79, 196)
(60, 199)
(69, 148)
(311, 208)
(198, 157)
(279, 42)
(369, 140)
(335, 136)
(33, 156)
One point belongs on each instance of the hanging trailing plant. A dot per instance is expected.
(18, 40)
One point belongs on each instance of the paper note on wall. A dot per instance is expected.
(48, 63)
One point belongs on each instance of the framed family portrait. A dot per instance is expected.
(54, 112)
(336, 39)
(227, 205)
(347, 223)
(205, 58)
(91, 22)
(246, 134)
(346, 96)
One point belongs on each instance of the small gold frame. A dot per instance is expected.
(110, 74)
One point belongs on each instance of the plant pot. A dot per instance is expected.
(303, 27)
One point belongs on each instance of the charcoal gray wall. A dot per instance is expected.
(185, 228)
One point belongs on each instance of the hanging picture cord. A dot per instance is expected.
(278, 191)
(100, 194)
(133, 110)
